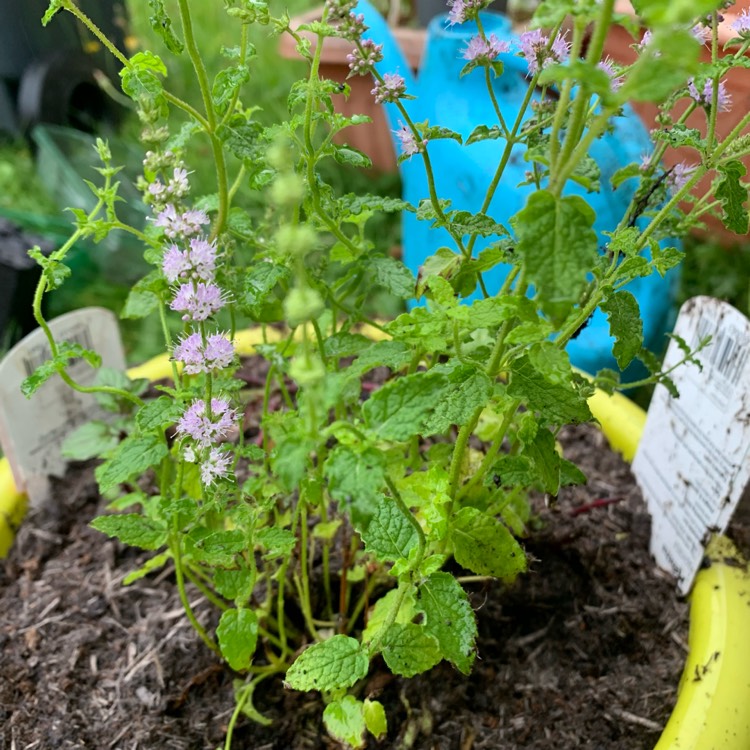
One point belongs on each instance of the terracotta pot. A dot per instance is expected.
(374, 138)
(619, 46)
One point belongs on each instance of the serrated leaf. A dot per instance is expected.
(344, 344)
(390, 535)
(408, 649)
(334, 664)
(375, 718)
(394, 355)
(275, 541)
(449, 618)
(543, 452)
(468, 391)
(733, 195)
(392, 275)
(161, 23)
(485, 546)
(65, 352)
(237, 634)
(234, 584)
(345, 721)
(355, 480)
(132, 529)
(559, 404)
(90, 440)
(402, 407)
(139, 304)
(158, 414)
(135, 455)
(484, 133)
(382, 608)
(625, 326)
(559, 246)
(217, 548)
(152, 564)
(260, 282)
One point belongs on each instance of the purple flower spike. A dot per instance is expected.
(615, 78)
(488, 49)
(742, 24)
(534, 47)
(409, 145)
(175, 264)
(205, 430)
(217, 353)
(177, 225)
(198, 302)
(705, 97)
(391, 89)
(215, 466)
(679, 175)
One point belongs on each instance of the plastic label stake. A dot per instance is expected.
(693, 461)
(32, 430)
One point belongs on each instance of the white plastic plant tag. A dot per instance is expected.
(32, 430)
(693, 461)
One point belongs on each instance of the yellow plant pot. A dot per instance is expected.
(713, 704)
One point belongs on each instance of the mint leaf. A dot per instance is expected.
(449, 618)
(390, 535)
(218, 548)
(133, 457)
(375, 719)
(132, 529)
(408, 649)
(542, 451)
(392, 354)
(733, 195)
(158, 414)
(559, 246)
(65, 352)
(402, 407)
(90, 440)
(345, 721)
(334, 664)
(469, 390)
(558, 403)
(355, 479)
(483, 545)
(152, 564)
(233, 584)
(392, 275)
(275, 541)
(625, 325)
(237, 634)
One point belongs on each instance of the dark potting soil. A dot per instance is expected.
(583, 651)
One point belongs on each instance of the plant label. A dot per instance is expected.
(693, 461)
(32, 430)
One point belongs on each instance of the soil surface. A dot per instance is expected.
(584, 651)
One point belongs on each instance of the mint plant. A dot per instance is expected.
(324, 540)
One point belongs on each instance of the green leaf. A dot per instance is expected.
(227, 85)
(379, 613)
(344, 344)
(158, 414)
(237, 634)
(139, 304)
(90, 440)
(132, 529)
(672, 12)
(468, 391)
(392, 275)
(390, 535)
(276, 542)
(133, 457)
(559, 247)
(260, 282)
(402, 407)
(733, 195)
(375, 719)
(234, 584)
(54, 7)
(559, 404)
(140, 79)
(392, 354)
(483, 545)
(356, 479)
(345, 721)
(408, 649)
(161, 23)
(351, 156)
(334, 664)
(484, 133)
(65, 352)
(449, 618)
(218, 548)
(625, 325)
(152, 564)
(55, 272)
(543, 452)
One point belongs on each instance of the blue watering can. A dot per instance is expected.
(463, 173)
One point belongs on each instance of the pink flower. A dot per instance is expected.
(679, 175)
(488, 48)
(742, 24)
(705, 97)
(216, 354)
(198, 301)
(204, 429)
(362, 62)
(175, 264)
(615, 78)
(180, 225)
(535, 47)
(215, 466)
(408, 142)
(391, 89)
(199, 262)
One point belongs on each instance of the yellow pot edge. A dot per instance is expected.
(719, 590)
